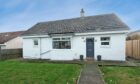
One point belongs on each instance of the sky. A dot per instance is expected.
(16, 15)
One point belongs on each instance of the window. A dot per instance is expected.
(105, 41)
(61, 43)
(35, 42)
(105, 38)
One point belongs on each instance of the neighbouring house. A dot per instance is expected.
(11, 40)
(135, 35)
(68, 39)
(137, 32)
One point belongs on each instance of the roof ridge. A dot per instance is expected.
(12, 31)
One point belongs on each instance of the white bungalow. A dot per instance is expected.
(67, 39)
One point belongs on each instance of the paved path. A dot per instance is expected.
(91, 75)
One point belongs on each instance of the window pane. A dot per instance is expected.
(56, 38)
(105, 38)
(35, 42)
(65, 38)
(68, 45)
(65, 45)
(56, 44)
(104, 43)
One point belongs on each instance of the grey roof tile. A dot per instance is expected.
(98, 23)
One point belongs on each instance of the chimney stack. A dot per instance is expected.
(82, 12)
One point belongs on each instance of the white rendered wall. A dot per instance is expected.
(116, 51)
(29, 50)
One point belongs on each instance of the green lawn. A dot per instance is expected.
(121, 75)
(16, 72)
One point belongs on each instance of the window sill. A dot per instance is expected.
(61, 49)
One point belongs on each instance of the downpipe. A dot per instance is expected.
(40, 48)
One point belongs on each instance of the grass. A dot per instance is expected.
(121, 75)
(16, 72)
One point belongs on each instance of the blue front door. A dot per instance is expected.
(90, 47)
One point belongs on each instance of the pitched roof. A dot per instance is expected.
(106, 22)
(6, 36)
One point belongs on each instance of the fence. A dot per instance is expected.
(133, 49)
(10, 53)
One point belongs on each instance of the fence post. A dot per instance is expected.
(132, 48)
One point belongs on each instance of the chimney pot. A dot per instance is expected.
(82, 12)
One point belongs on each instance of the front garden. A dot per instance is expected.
(121, 75)
(17, 72)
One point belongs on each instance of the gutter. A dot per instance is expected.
(86, 33)
(35, 36)
(98, 33)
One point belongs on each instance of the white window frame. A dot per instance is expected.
(61, 39)
(105, 46)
